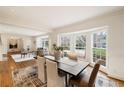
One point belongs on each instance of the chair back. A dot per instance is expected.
(94, 74)
(41, 69)
(52, 73)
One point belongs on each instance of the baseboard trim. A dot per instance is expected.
(102, 68)
(115, 77)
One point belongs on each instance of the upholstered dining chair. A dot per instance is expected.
(53, 79)
(84, 80)
(41, 69)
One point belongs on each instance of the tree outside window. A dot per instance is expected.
(65, 42)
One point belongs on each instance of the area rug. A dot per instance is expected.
(104, 82)
(26, 77)
(18, 58)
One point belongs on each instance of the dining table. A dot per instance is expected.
(69, 66)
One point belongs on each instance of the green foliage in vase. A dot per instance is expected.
(57, 48)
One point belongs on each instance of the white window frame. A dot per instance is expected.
(40, 39)
(68, 35)
(73, 36)
(105, 29)
(76, 35)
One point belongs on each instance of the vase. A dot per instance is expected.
(57, 55)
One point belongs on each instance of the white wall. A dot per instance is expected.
(115, 53)
(33, 43)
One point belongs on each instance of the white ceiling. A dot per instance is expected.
(4, 28)
(44, 18)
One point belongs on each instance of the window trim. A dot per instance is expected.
(72, 36)
(105, 29)
(41, 38)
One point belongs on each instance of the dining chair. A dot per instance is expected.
(41, 69)
(84, 80)
(53, 79)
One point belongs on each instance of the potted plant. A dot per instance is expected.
(57, 51)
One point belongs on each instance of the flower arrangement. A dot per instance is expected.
(57, 51)
(57, 48)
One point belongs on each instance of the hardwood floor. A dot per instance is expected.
(5, 75)
(6, 68)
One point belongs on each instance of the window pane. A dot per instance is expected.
(80, 42)
(65, 42)
(80, 45)
(42, 42)
(46, 44)
(99, 46)
(74, 42)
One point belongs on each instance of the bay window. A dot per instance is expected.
(75, 42)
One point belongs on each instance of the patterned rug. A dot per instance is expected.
(26, 77)
(103, 82)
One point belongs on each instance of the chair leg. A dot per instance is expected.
(71, 85)
(94, 85)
